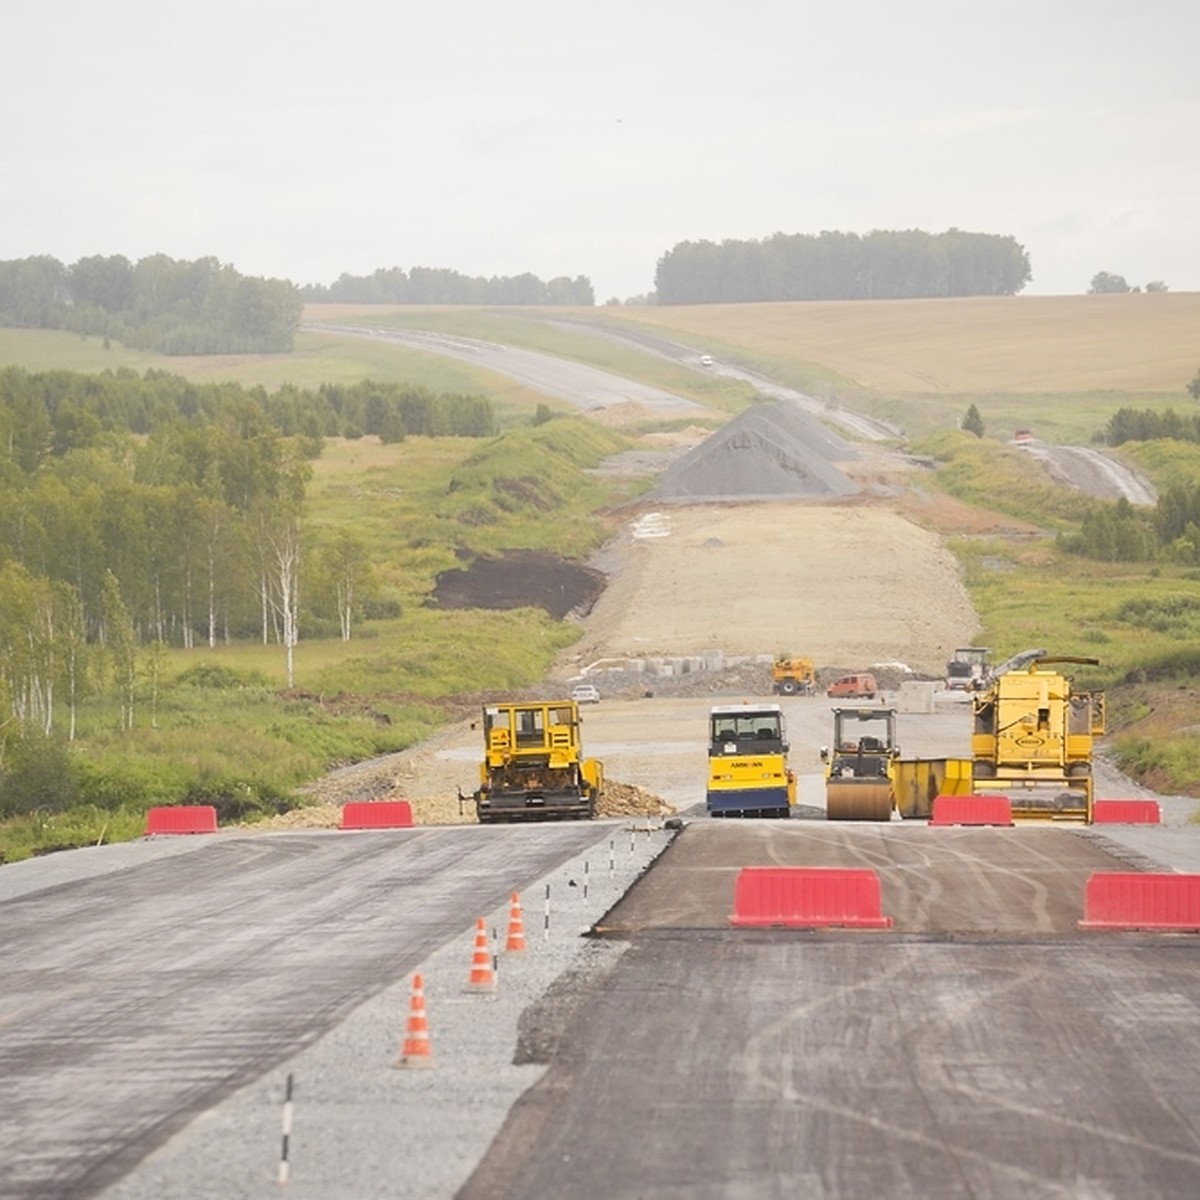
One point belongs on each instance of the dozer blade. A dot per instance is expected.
(854, 800)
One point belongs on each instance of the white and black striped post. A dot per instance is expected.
(546, 921)
(284, 1166)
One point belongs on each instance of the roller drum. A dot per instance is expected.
(858, 800)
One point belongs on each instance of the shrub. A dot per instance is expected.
(37, 776)
(218, 677)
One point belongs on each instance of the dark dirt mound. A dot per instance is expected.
(521, 579)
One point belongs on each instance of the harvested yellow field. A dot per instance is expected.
(1135, 342)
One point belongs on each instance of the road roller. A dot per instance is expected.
(859, 765)
(748, 772)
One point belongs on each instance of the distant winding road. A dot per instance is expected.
(1094, 473)
(586, 387)
(1087, 470)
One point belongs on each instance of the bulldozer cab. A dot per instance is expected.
(533, 766)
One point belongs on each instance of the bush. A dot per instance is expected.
(37, 777)
(218, 677)
(239, 800)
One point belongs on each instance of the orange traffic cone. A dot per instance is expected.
(482, 979)
(516, 927)
(417, 1050)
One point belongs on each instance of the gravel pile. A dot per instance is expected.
(364, 1127)
(767, 452)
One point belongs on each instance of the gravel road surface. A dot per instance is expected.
(586, 387)
(1094, 473)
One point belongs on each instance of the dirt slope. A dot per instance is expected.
(850, 584)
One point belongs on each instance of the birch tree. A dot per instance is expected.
(283, 544)
(122, 647)
(348, 568)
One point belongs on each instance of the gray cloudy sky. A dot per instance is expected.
(305, 140)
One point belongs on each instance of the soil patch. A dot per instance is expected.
(521, 579)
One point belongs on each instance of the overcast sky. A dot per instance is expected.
(305, 140)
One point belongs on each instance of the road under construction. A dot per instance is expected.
(983, 1044)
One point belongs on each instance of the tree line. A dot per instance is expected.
(1121, 533)
(47, 413)
(430, 285)
(113, 544)
(1147, 425)
(158, 303)
(881, 265)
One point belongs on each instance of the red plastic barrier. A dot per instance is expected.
(1126, 812)
(971, 810)
(377, 814)
(1137, 900)
(184, 818)
(808, 897)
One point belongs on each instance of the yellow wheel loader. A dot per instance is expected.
(533, 767)
(860, 765)
(793, 676)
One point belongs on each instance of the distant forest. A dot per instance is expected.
(203, 307)
(155, 304)
(427, 285)
(882, 265)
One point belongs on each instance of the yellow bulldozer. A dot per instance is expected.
(793, 676)
(533, 767)
(1033, 735)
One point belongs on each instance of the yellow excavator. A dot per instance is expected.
(860, 765)
(533, 767)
